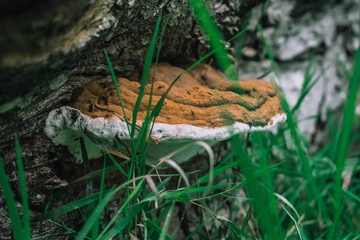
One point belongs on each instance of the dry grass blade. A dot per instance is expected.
(176, 166)
(154, 189)
(211, 163)
(284, 200)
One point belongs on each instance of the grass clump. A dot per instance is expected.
(21, 227)
(266, 186)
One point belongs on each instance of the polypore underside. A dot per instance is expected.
(200, 106)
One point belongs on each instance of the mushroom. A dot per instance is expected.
(200, 106)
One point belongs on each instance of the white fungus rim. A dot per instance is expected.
(67, 118)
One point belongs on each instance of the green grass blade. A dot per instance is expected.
(23, 191)
(294, 132)
(271, 206)
(95, 228)
(67, 208)
(145, 134)
(197, 190)
(268, 52)
(241, 184)
(167, 221)
(11, 204)
(125, 117)
(264, 211)
(246, 220)
(353, 196)
(123, 110)
(344, 139)
(147, 117)
(69, 230)
(236, 232)
(101, 192)
(155, 225)
(94, 216)
(197, 229)
(222, 168)
(123, 222)
(145, 76)
(134, 159)
(215, 38)
(117, 165)
(117, 89)
(240, 43)
(161, 38)
(309, 74)
(131, 196)
(96, 173)
(299, 229)
(155, 229)
(308, 85)
(55, 236)
(341, 66)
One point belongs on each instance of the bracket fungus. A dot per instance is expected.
(200, 106)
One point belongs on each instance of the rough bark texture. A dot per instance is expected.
(49, 50)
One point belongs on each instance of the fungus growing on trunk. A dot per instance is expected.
(200, 106)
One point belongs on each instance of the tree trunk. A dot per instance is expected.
(50, 49)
